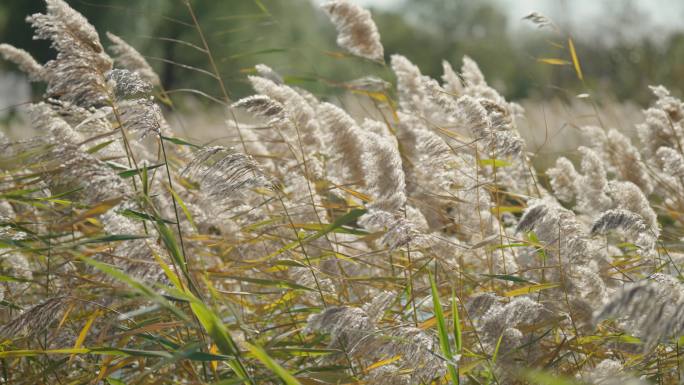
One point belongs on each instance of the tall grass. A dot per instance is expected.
(418, 247)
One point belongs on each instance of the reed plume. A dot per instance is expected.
(356, 31)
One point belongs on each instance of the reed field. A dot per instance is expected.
(408, 230)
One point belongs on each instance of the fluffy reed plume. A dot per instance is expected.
(505, 142)
(35, 320)
(77, 74)
(471, 74)
(369, 84)
(135, 257)
(347, 326)
(626, 159)
(491, 124)
(671, 161)
(656, 131)
(388, 375)
(263, 106)
(629, 196)
(564, 179)
(476, 86)
(127, 84)
(439, 97)
(653, 309)
(373, 161)
(619, 156)
(356, 31)
(142, 116)
(662, 126)
(409, 85)
(507, 318)
(671, 105)
(47, 121)
(398, 230)
(352, 330)
(129, 58)
(70, 168)
(267, 72)
(451, 81)
(16, 265)
(541, 20)
(83, 120)
(556, 227)
(593, 183)
(222, 172)
(671, 166)
(627, 221)
(24, 61)
(618, 219)
(384, 173)
(348, 139)
(62, 20)
(301, 111)
(609, 372)
(375, 309)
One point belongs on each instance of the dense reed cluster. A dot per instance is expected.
(413, 245)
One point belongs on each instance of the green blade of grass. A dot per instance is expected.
(442, 331)
(169, 240)
(113, 238)
(114, 381)
(136, 285)
(496, 349)
(278, 370)
(99, 147)
(106, 351)
(219, 334)
(507, 277)
(179, 141)
(539, 377)
(457, 323)
(215, 328)
(142, 216)
(137, 171)
(350, 217)
(183, 207)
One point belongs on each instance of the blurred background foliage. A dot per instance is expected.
(297, 40)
